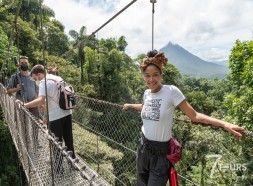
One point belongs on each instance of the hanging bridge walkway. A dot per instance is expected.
(105, 139)
(34, 144)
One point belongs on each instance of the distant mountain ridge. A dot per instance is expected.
(190, 64)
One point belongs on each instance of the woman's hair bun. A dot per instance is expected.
(154, 57)
(152, 53)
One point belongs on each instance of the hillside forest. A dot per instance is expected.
(100, 69)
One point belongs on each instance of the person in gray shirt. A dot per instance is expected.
(24, 85)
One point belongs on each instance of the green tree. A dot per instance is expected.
(31, 11)
(57, 40)
(79, 41)
(240, 61)
(121, 43)
(3, 46)
(90, 65)
(239, 102)
(109, 43)
(7, 67)
(171, 75)
(111, 77)
(28, 40)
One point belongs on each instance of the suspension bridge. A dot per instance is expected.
(105, 139)
(33, 144)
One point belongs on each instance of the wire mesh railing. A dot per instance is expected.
(106, 137)
(44, 159)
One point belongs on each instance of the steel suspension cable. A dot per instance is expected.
(153, 13)
(93, 33)
(113, 17)
(46, 94)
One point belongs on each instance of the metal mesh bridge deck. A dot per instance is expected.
(35, 147)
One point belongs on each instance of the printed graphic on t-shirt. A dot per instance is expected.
(151, 110)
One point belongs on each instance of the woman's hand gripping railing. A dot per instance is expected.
(245, 132)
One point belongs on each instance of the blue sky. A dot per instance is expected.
(108, 5)
(208, 29)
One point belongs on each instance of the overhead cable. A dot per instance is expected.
(93, 33)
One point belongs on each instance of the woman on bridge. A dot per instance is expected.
(159, 103)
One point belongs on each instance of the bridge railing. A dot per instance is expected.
(106, 137)
(44, 159)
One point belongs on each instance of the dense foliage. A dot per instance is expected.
(9, 164)
(240, 101)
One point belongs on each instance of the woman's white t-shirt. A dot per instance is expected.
(157, 112)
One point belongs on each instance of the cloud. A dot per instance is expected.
(201, 30)
(213, 54)
(198, 26)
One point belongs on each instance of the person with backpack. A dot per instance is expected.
(157, 109)
(23, 85)
(43, 108)
(60, 120)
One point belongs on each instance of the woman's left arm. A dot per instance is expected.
(197, 117)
